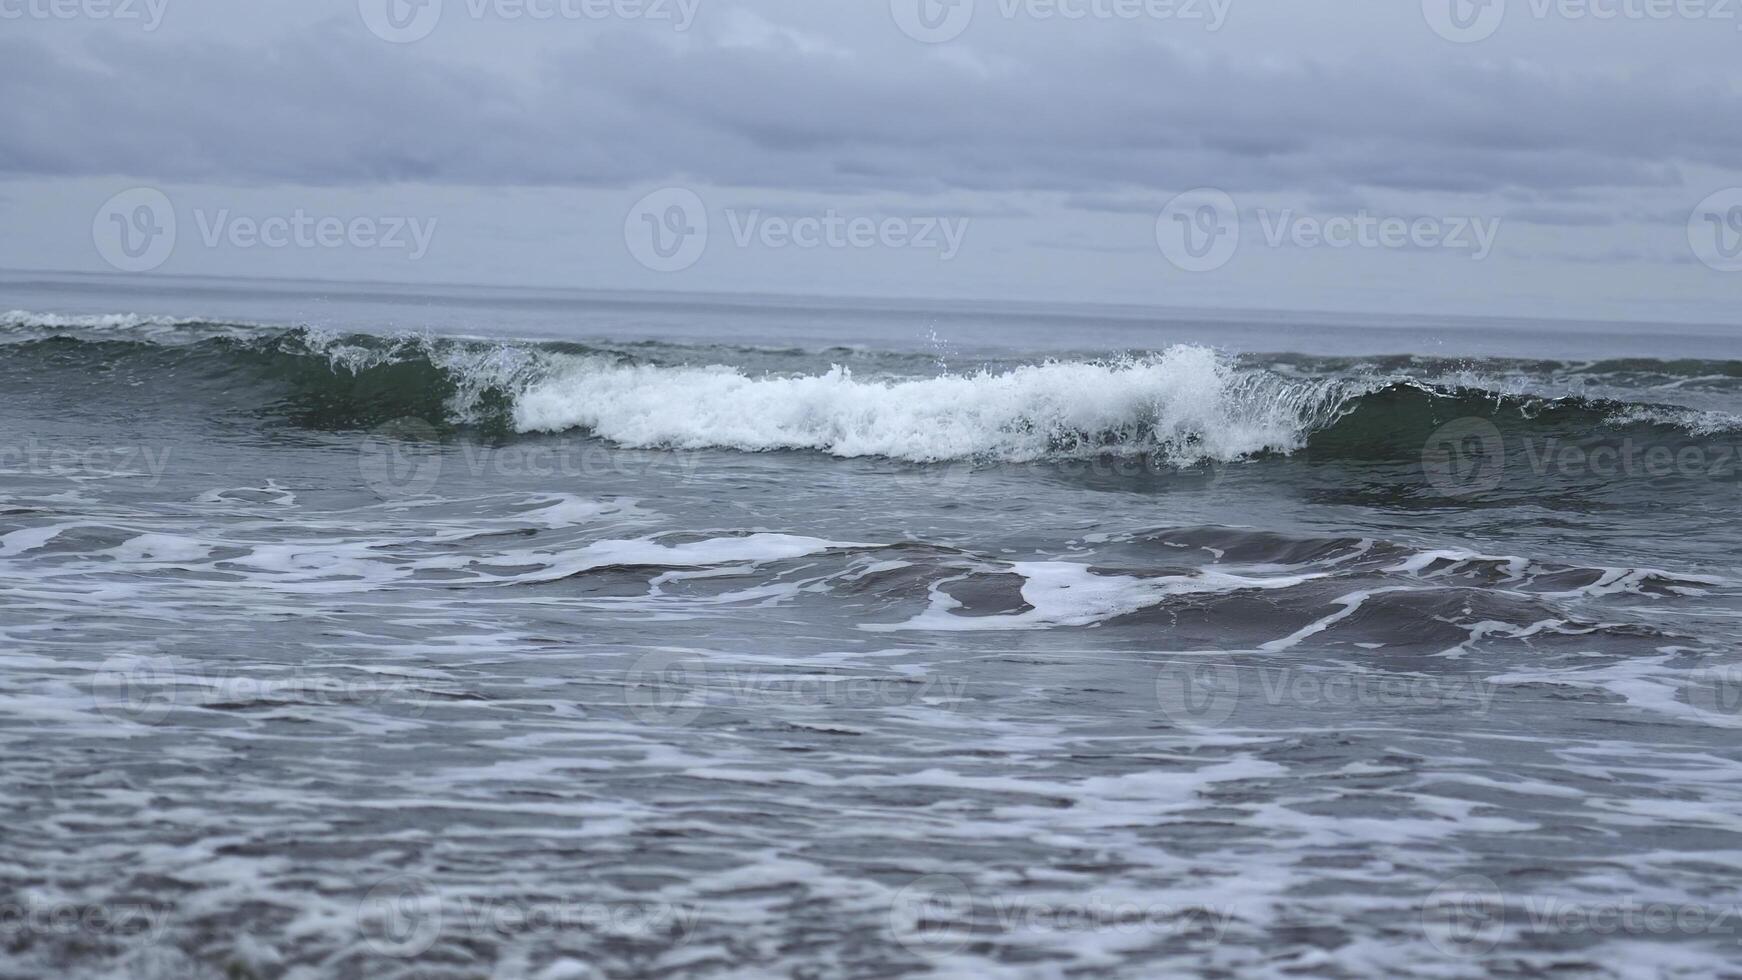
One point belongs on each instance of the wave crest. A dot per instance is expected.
(1185, 404)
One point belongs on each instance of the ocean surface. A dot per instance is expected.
(373, 632)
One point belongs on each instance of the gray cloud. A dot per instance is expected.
(326, 103)
(1562, 217)
(531, 140)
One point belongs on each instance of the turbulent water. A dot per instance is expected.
(395, 650)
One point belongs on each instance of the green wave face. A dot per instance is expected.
(1317, 408)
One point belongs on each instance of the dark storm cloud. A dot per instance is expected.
(1112, 124)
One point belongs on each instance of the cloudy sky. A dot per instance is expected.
(1581, 158)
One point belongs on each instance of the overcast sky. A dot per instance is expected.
(1510, 157)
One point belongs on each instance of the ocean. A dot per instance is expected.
(388, 631)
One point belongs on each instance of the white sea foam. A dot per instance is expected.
(1187, 404)
(18, 326)
(1066, 594)
(1694, 421)
(105, 321)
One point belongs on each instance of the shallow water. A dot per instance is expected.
(859, 643)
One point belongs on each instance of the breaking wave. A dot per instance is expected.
(1182, 405)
